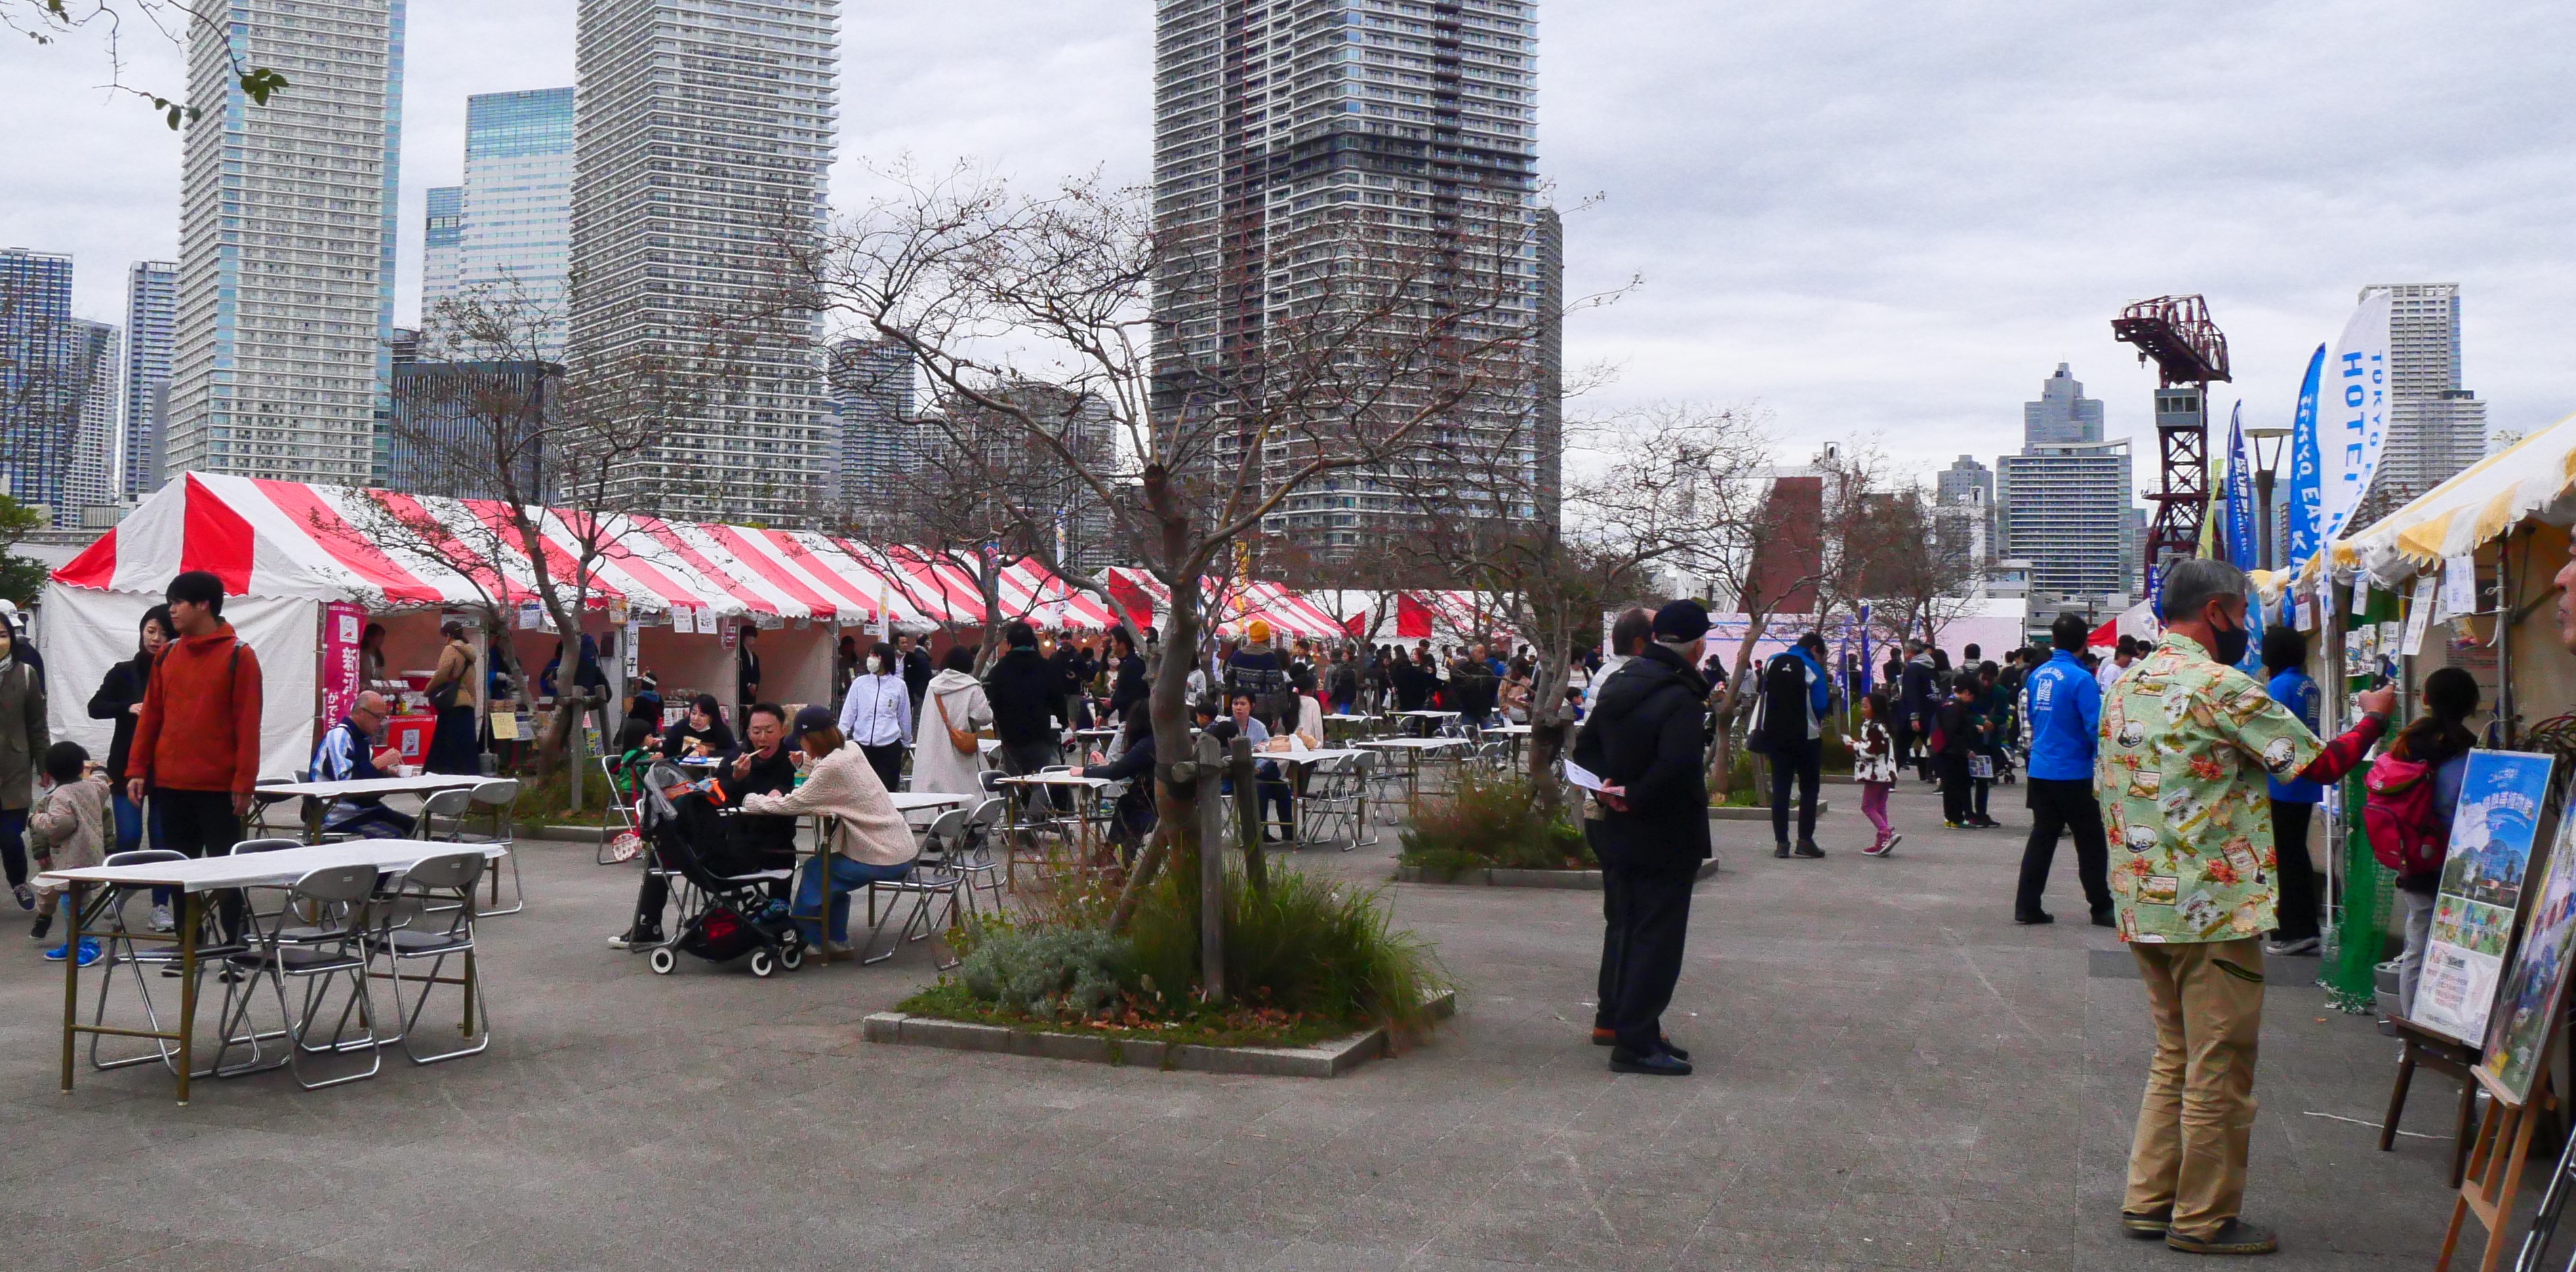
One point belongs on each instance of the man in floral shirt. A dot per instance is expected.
(2187, 744)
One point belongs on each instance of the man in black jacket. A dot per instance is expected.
(1645, 742)
(1918, 697)
(1027, 694)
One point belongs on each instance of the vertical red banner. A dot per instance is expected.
(343, 624)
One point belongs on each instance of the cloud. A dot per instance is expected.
(1870, 218)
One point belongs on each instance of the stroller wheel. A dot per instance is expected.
(762, 964)
(662, 961)
(792, 955)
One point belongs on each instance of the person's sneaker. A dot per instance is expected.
(1662, 1064)
(2233, 1237)
(1602, 1037)
(2035, 917)
(634, 940)
(1877, 848)
(840, 949)
(88, 952)
(161, 920)
(26, 896)
(1956, 825)
(44, 924)
(1782, 852)
(1890, 845)
(2303, 945)
(1808, 848)
(2104, 918)
(2150, 1226)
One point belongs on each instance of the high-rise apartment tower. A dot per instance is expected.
(703, 132)
(2063, 503)
(2435, 427)
(1288, 132)
(516, 236)
(40, 376)
(442, 232)
(286, 242)
(151, 318)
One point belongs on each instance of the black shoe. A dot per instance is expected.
(44, 924)
(2233, 1237)
(2150, 1226)
(2104, 918)
(2035, 917)
(1782, 852)
(1661, 1064)
(1673, 1051)
(1808, 848)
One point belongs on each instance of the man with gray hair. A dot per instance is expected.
(2188, 744)
(349, 753)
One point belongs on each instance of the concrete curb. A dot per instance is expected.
(1579, 880)
(1757, 812)
(1326, 1060)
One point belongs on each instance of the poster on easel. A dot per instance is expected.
(2518, 1026)
(2492, 829)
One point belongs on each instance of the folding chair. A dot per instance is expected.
(117, 948)
(930, 876)
(335, 947)
(974, 857)
(623, 790)
(451, 878)
(499, 796)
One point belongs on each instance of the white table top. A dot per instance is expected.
(1350, 719)
(1416, 744)
(1052, 779)
(906, 801)
(986, 746)
(1305, 757)
(1509, 730)
(420, 785)
(1427, 715)
(273, 869)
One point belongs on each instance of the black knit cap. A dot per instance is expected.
(815, 720)
(1681, 621)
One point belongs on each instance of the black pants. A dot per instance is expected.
(1802, 762)
(887, 760)
(1020, 759)
(2062, 805)
(1956, 798)
(1900, 732)
(1614, 892)
(2298, 874)
(202, 824)
(1646, 934)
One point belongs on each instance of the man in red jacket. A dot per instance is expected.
(196, 745)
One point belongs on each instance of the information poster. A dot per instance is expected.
(2518, 1030)
(2491, 839)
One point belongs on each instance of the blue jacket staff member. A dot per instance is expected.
(348, 753)
(2063, 702)
(1796, 698)
(1644, 741)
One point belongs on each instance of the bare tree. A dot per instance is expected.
(1915, 567)
(1381, 340)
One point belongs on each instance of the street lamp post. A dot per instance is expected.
(2266, 461)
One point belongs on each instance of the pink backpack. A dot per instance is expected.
(2405, 834)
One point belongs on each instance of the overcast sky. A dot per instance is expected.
(1886, 220)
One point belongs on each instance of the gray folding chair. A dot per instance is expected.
(118, 948)
(451, 881)
(499, 796)
(343, 900)
(929, 877)
(975, 856)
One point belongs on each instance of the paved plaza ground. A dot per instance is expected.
(1891, 1074)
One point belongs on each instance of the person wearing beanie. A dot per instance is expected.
(1257, 670)
(1645, 741)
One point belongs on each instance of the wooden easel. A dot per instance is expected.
(2441, 1055)
(2495, 1164)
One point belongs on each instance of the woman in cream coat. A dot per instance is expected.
(937, 764)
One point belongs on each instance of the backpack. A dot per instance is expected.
(2405, 834)
(1784, 705)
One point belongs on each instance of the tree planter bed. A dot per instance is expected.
(1328, 1059)
(1502, 877)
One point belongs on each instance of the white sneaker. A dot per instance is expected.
(2304, 945)
(161, 920)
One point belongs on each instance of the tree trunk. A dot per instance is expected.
(1551, 726)
(1721, 772)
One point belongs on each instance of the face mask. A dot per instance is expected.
(2227, 644)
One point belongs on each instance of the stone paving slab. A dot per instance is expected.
(1504, 877)
(1891, 1075)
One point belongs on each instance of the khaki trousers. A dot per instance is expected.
(2198, 1115)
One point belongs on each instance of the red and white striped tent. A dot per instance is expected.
(1230, 607)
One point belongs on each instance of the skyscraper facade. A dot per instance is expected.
(2064, 503)
(2435, 427)
(704, 129)
(39, 376)
(442, 231)
(516, 236)
(1965, 482)
(872, 404)
(1377, 129)
(92, 478)
(151, 319)
(2062, 414)
(286, 243)
(1550, 433)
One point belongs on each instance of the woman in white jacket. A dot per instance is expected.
(954, 701)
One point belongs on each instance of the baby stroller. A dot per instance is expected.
(723, 917)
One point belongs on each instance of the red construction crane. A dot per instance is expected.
(2190, 354)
